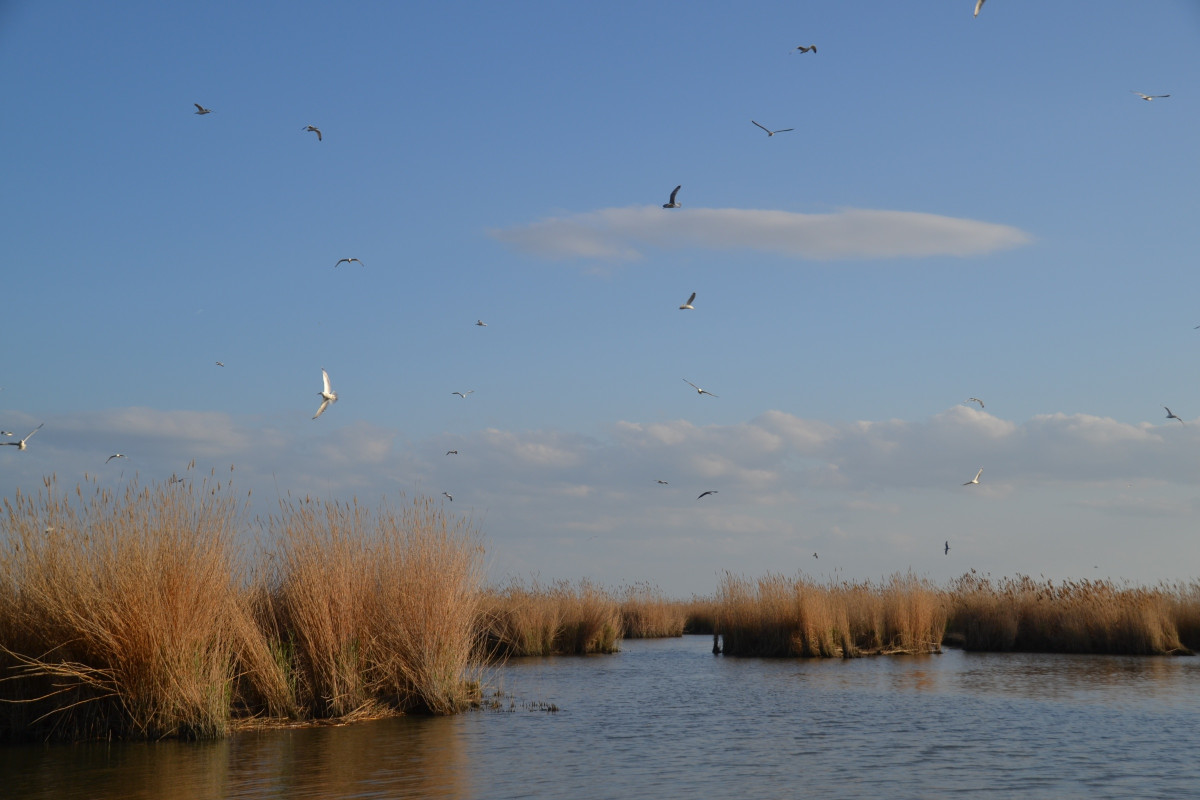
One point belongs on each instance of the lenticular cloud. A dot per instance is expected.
(623, 233)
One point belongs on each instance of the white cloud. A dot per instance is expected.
(868, 493)
(623, 233)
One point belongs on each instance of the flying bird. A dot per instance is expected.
(811, 48)
(771, 132)
(346, 261)
(6, 433)
(664, 483)
(1172, 416)
(975, 479)
(672, 203)
(705, 494)
(698, 389)
(314, 129)
(1148, 97)
(219, 364)
(688, 305)
(328, 395)
(815, 555)
(947, 552)
(975, 400)
(201, 109)
(114, 455)
(463, 395)
(451, 452)
(481, 323)
(447, 494)
(979, 5)
(21, 444)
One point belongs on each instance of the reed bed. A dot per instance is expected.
(558, 619)
(1073, 616)
(136, 614)
(776, 616)
(646, 613)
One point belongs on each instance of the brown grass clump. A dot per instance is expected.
(558, 619)
(778, 616)
(1070, 617)
(373, 608)
(646, 613)
(118, 612)
(700, 614)
(133, 614)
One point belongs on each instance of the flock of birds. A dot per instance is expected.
(329, 396)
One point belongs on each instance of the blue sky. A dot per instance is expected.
(966, 207)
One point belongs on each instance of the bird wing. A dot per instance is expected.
(690, 299)
(198, 106)
(32, 432)
(675, 191)
(707, 392)
(321, 410)
(325, 380)
(765, 129)
(694, 386)
(784, 130)
(978, 5)
(340, 261)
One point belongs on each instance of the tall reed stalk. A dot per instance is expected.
(562, 619)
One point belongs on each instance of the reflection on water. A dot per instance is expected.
(668, 719)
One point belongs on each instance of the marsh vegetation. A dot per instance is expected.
(145, 613)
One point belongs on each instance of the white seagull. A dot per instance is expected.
(710, 491)
(114, 455)
(811, 48)
(1172, 416)
(201, 109)
(698, 389)
(771, 132)
(463, 395)
(978, 5)
(447, 494)
(688, 305)
(314, 129)
(21, 444)
(975, 400)
(1148, 97)
(6, 433)
(346, 261)
(328, 395)
(672, 203)
(975, 479)
(480, 323)
(219, 364)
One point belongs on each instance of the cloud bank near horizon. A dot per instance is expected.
(625, 233)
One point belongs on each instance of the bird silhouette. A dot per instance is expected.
(314, 129)
(812, 48)
(698, 389)
(771, 132)
(672, 203)
(688, 304)
(114, 455)
(1172, 416)
(201, 109)
(975, 479)
(1148, 97)
(346, 261)
(947, 548)
(705, 494)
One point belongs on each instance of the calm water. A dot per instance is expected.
(666, 719)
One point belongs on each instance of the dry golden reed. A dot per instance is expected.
(133, 614)
(646, 613)
(1081, 616)
(559, 619)
(779, 616)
